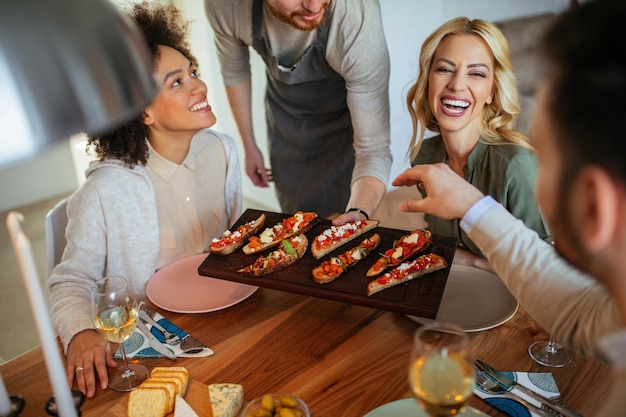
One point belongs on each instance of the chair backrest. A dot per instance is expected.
(55, 224)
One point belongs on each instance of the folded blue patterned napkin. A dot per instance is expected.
(542, 383)
(137, 345)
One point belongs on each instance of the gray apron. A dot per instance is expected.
(309, 128)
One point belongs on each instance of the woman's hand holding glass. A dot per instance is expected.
(115, 314)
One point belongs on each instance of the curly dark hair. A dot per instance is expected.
(160, 25)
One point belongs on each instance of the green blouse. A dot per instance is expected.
(506, 172)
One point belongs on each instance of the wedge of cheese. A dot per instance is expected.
(226, 399)
(183, 409)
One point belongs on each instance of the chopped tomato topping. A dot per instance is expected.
(419, 264)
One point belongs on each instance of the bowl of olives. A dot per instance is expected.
(277, 405)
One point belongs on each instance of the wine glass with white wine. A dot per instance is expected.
(441, 373)
(115, 314)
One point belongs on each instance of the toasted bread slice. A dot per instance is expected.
(407, 271)
(336, 236)
(148, 402)
(170, 386)
(231, 241)
(288, 252)
(175, 372)
(331, 269)
(403, 248)
(300, 222)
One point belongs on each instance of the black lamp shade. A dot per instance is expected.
(67, 66)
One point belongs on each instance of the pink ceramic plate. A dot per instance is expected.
(179, 288)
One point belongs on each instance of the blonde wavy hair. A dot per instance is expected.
(496, 126)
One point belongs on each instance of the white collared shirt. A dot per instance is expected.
(198, 199)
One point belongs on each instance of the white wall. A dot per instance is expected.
(49, 175)
(407, 23)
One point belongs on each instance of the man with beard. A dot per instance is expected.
(577, 292)
(326, 103)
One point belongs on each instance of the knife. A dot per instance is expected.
(154, 343)
(507, 382)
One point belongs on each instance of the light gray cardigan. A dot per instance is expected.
(113, 200)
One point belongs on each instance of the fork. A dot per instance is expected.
(188, 344)
(170, 337)
(492, 387)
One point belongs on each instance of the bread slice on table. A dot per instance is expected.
(169, 385)
(173, 371)
(156, 396)
(149, 402)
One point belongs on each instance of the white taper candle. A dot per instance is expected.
(54, 363)
(5, 401)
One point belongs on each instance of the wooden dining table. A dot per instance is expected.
(341, 359)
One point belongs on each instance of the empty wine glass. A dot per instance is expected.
(441, 373)
(550, 353)
(114, 311)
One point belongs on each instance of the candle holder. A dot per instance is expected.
(17, 405)
(77, 396)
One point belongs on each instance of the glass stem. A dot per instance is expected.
(127, 371)
(550, 347)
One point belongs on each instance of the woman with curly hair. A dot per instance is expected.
(163, 186)
(466, 92)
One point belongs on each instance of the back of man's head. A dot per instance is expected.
(585, 53)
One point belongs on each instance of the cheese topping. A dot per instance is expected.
(336, 232)
(268, 234)
(412, 238)
(299, 219)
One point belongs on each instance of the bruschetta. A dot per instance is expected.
(402, 249)
(300, 222)
(231, 241)
(288, 252)
(336, 236)
(407, 271)
(332, 268)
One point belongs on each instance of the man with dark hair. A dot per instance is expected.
(577, 292)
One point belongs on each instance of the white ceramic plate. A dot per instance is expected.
(179, 288)
(474, 299)
(409, 408)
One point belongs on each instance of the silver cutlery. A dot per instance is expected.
(154, 343)
(170, 338)
(188, 344)
(491, 386)
(507, 382)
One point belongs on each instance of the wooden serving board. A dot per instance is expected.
(197, 397)
(419, 297)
